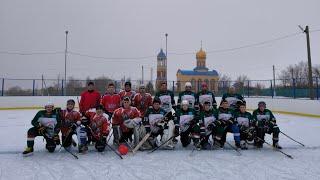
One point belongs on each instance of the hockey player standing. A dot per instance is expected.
(206, 96)
(187, 121)
(233, 98)
(244, 121)
(142, 100)
(89, 99)
(167, 98)
(125, 120)
(265, 122)
(127, 92)
(110, 100)
(46, 123)
(189, 96)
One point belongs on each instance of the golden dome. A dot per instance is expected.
(201, 54)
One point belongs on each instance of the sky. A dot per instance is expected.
(131, 29)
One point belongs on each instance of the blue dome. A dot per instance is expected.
(161, 54)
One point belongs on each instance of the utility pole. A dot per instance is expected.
(142, 75)
(274, 80)
(151, 73)
(65, 65)
(310, 80)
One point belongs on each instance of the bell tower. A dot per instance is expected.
(161, 68)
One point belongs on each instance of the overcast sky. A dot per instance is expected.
(136, 28)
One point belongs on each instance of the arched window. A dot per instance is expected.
(212, 84)
(199, 84)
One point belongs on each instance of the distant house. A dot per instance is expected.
(198, 75)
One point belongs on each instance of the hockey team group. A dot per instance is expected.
(136, 121)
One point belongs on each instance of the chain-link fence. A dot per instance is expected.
(279, 88)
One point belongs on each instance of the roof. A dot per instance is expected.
(197, 73)
(161, 54)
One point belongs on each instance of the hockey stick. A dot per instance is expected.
(144, 139)
(234, 148)
(75, 156)
(292, 139)
(289, 156)
(156, 148)
(114, 151)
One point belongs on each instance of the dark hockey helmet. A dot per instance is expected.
(262, 103)
(71, 101)
(127, 84)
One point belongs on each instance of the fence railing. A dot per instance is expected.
(287, 88)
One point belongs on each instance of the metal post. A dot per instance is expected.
(173, 87)
(271, 89)
(274, 80)
(2, 91)
(294, 87)
(33, 87)
(248, 89)
(317, 88)
(62, 87)
(65, 64)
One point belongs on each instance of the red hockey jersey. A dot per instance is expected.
(67, 119)
(121, 114)
(111, 102)
(142, 102)
(99, 126)
(89, 100)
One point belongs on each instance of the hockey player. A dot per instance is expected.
(233, 98)
(244, 121)
(265, 122)
(89, 99)
(110, 100)
(127, 92)
(156, 122)
(142, 100)
(46, 123)
(188, 95)
(125, 121)
(226, 124)
(166, 97)
(69, 120)
(207, 122)
(204, 96)
(99, 129)
(187, 121)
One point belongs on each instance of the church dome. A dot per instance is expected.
(201, 54)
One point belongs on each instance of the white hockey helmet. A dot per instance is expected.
(188, 84)
(184, 102)
(49, 104)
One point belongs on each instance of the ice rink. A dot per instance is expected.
(178, 164)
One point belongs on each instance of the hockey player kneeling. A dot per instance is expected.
(265, 122)
(226, 124)
(208, 122)
(126, 121)
(186, 120)
(99, 129)
(46, 123)
(69, 120)
(244, 120)
(157, 123)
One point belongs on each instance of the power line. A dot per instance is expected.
(153, 56)
(30, 53)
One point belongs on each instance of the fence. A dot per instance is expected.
(280, 88)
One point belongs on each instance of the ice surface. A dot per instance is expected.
(163, 164)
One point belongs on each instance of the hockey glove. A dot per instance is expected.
(41, 130)
(56, 139)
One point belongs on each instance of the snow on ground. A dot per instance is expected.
(178, 164)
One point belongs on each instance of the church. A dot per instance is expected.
(198, 75)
